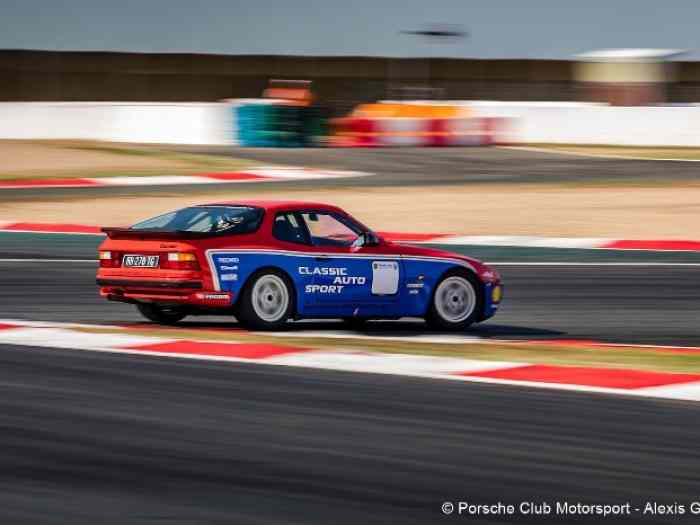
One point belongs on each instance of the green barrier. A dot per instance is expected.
(268, 125)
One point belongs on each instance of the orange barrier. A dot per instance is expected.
(397, 110)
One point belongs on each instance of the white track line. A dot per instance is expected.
(54, 336)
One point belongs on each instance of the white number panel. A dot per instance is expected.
(385, 277)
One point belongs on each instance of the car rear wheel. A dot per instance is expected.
(267, 301)
(457, 301)
(161, 314)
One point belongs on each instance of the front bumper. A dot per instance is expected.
(493, 295)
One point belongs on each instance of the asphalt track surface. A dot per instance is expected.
(395, 167)
(627, 304)
(97, 438)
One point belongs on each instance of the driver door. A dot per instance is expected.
(347, 273)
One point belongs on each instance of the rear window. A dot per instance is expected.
(206, 219)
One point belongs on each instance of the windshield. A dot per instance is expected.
(206, 219)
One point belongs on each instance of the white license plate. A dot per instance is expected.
(140, 261)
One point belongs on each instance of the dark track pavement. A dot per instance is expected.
(426, 166)
(90, 438)
(630, 304)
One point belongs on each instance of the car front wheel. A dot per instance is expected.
(267, 301)
(456, 303)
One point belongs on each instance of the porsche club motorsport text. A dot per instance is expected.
(566, 508)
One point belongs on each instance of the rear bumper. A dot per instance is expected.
(171, 291)
(141, 284)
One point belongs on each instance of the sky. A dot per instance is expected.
(497, 28)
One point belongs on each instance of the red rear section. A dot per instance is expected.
(178, 274)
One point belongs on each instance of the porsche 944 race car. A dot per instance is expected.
(267, 262)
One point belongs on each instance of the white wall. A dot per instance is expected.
(590, 123)
(169, 123)
(598, 124)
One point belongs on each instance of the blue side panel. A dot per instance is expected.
(421, 279)
(350, 280)
(339, 286)
(234, 268)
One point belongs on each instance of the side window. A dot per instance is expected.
(327, 230)
(287, 228)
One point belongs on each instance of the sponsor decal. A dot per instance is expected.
(340, 276)
(379, 265)
(216, 296)
(225, 268)
(350, 279)
(324, 288)
(228, 260)
(489, 276)
(415, 285)
(323, 270)
(229, 277)
(213, 296)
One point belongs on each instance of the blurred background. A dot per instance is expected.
(545, 69)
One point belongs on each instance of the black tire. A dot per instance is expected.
(355, 323)
(254, 311)
(438, 317)
(161, 314)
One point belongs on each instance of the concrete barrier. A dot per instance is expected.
(627, 126)
(213, 123)
(167, 123)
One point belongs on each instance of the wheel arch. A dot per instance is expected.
(455, 269)
(267, 268)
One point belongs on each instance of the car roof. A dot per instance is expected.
(275, 205)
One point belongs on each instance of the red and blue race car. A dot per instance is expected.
(267, 262)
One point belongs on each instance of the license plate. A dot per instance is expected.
(140, 261)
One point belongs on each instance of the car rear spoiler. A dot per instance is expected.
(128, 233)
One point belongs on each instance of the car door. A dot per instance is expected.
(347, 274)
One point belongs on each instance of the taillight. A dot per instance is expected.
(180, 261)
(109, 259)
